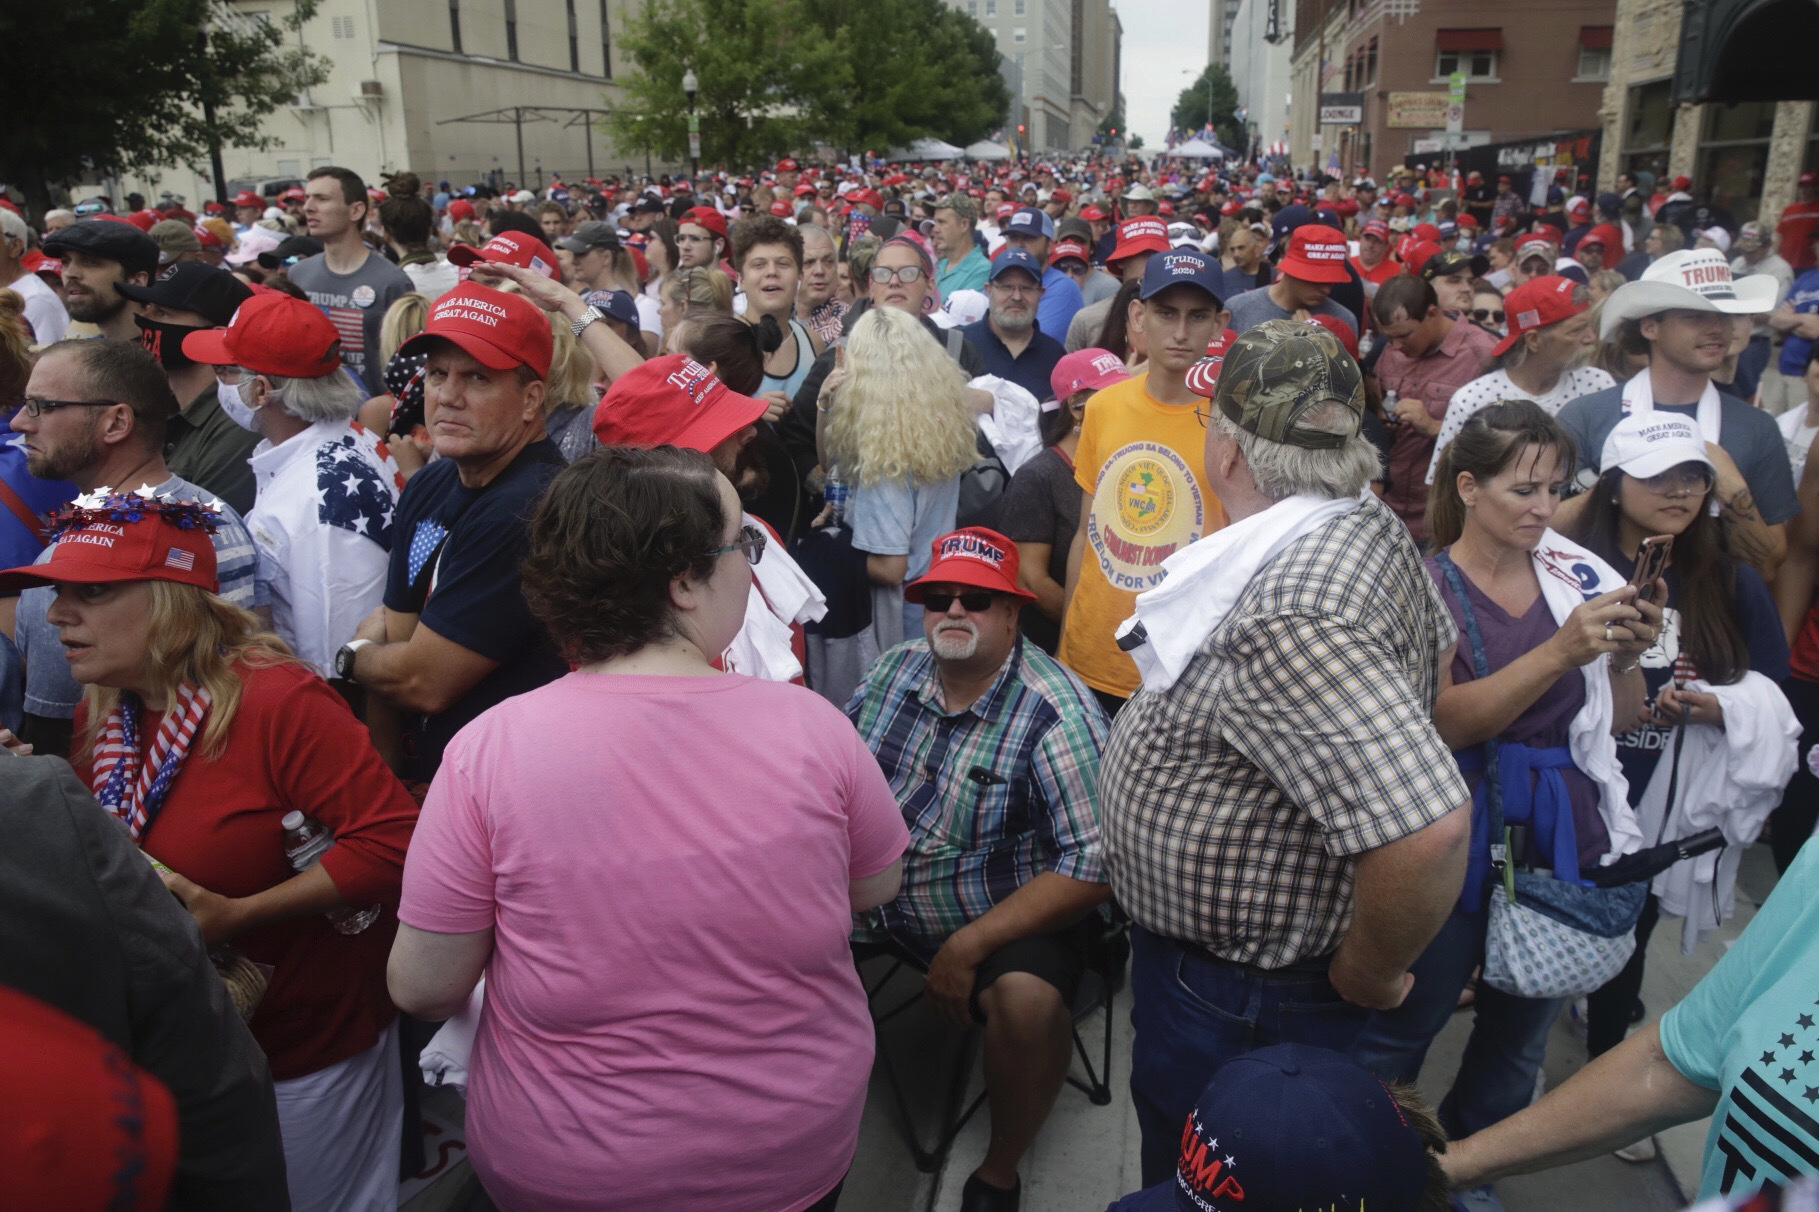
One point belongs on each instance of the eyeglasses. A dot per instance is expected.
(1485, 315)
(1203, 413)
(231, 375)
(36, 406)
(976, 602)
(1680, 481)
(1018, 291)
(883, 274)
(690, 238)
(751, 542)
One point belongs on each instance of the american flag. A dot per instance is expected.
(178, 558)
(1769, 1131)
(356, 486)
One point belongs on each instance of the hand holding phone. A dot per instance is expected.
(1652, 559)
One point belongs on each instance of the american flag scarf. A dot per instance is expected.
(130, 784)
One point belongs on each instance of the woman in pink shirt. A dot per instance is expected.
(655, 864)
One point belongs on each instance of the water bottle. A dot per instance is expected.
(305, 841)
(1389, 408)
(836, 492)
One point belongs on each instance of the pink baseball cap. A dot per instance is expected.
(1086, 370)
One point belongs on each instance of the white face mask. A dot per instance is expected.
(243, 415)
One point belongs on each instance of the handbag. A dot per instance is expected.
(1546, 937)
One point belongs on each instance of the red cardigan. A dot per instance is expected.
(294, 744)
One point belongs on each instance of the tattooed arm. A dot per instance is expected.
(1748, 538)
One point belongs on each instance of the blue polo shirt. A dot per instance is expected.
(1060, 300)
(1030, 369)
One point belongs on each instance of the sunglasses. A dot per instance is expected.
(975, 602)
(1485, 315)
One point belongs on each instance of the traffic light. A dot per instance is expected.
(1019, 128)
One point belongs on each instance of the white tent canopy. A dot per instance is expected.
(1196, 149)
(985, 149)
(928, 149)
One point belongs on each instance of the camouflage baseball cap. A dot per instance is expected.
(1276, 372)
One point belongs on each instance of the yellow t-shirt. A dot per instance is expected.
(1142, 461)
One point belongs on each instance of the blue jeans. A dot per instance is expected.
(1496, 1075)
(1191, 1015)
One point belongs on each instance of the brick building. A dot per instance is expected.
(1716, 90)
(1532, 70)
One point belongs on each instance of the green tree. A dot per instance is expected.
(926, 70)
(1191, 107)
(156, 83)
(764, 71)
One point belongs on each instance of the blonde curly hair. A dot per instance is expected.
(902, 413)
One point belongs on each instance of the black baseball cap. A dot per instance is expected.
(1451, 261)
(648, 205)
(289, 251)
(109, 239)
(591, 235)
(193, 286)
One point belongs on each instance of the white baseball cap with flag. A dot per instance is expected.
(1694, 279)
(1645, 444)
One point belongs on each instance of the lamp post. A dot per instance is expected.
(689, 85)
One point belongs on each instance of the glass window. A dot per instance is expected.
(1019, 7)
(991, 8)
(1477, 65)
(574, 42)
(1733, 156)
(606, 43)
(511, 30)
(1370, 63)
(1593, 64)
(454, 25)
(1743, 120)
(1019, 34)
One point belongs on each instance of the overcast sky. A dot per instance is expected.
(1164, 52)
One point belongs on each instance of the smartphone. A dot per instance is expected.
(1652, 559)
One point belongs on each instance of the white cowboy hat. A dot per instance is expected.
(1694, 279)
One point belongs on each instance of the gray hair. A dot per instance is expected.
(1281, 471)
(814, 231)
(330, 397)
(14, 228)
(58, 213)
(962, 205)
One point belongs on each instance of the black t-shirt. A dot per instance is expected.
(1042, 505)
(462, 547)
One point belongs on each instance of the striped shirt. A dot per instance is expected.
(993, 795)
(50, 691)
(1300, 735)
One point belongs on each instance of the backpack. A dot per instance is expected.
(982, 488)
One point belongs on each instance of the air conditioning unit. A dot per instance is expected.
(370, 90)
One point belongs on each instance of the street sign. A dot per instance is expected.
(1341, 109)
(1455, 103)
(694, 145)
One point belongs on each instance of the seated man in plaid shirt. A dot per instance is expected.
(993, 751)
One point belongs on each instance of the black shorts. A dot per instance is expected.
(1059, 958)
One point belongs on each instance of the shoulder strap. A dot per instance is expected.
(1481, 666)
(956, 341)
(19, 509)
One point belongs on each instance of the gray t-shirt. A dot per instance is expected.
(50, 691)
(897, 518)
(1253, 307)
(1749, 435)
(356, 304)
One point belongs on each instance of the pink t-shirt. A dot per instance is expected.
(672, 1015)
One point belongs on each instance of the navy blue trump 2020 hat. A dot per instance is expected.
(1016, 258)
(1289, 1129)
(1182, 267)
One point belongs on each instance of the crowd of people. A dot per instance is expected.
(602, 618)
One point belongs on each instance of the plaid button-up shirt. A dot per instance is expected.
(1300, 735)
(993, 795)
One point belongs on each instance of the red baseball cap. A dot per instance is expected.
(1607, 236)
(89, 1128)
(510, 248)
(1092, 214)
(272, 333)
(460, 210)
(1006, 210)
(1808, 179)
(1203, 376)
(1683, 183)
(803, 189)
(869, 197)
(1415, 253)
(247, 197)
(144, 220)
(1316, 253)
(786, 165)
(1580, 206)
(1376, 227)
(1061, 195)
(498, 330)
(1148, 234)
(1089, 369)
(672, 400)
(1427, 231)
(1535, 243)
(1166, 208)
(119, 537)
(294, 194)
(1339, 328)
(782, 209)
(1069, 248)
(974, 556)
(1468, 220)
(1537, 303)
(706, 218)
(37, 263)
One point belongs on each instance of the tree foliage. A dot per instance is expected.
(1191, 106)
(782, 75)
(144, 71)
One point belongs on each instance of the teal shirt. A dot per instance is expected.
(1750, 1030)
(968, 274)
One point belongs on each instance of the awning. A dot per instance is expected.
(1469, 39)
(1595, 37)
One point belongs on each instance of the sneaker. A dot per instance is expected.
(1642, 1151)
(1477, 1199)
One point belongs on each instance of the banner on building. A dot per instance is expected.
(1341, 109)
(1426, 110)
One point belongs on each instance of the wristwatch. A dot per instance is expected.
(587, 317)
(344, 659)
